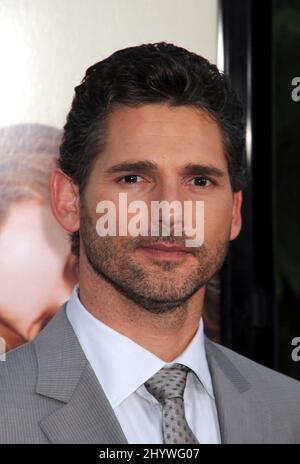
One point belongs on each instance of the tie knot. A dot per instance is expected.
(168, 382)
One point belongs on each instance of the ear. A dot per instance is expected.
(64, 200)
(236, 223)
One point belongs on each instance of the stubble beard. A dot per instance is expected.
(161, 286)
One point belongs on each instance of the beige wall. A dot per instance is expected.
(46, 45)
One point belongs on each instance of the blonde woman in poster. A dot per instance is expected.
(37, 269)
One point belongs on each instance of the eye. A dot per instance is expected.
(129, 179)
(202, 181)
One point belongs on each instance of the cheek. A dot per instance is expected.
(217, 222)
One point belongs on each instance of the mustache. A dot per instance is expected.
(170, 239)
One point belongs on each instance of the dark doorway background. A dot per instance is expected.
(260, 293)
(286, 39)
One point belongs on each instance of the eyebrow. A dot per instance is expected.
(202, 170)
(145, 167)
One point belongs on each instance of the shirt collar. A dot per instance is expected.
(113, 356)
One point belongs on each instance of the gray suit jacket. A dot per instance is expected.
(50, 394)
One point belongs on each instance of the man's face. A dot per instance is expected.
(169, 141)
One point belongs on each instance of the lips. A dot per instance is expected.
(164, 252)
(166, 247)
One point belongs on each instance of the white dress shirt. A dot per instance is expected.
(122, 367)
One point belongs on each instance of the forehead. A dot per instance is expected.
(158, 131)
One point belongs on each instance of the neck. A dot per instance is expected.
(166, 335)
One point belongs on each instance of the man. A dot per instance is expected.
(125, 360)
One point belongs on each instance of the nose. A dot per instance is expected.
(170, 210)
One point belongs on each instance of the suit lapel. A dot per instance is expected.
(64, 374)
(86, 418)
(238, 405)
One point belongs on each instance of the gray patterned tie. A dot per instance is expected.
(167, 386)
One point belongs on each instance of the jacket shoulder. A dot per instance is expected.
(19, 369)
(258, 375)
(21, 409)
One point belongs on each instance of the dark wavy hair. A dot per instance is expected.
(149, 73)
